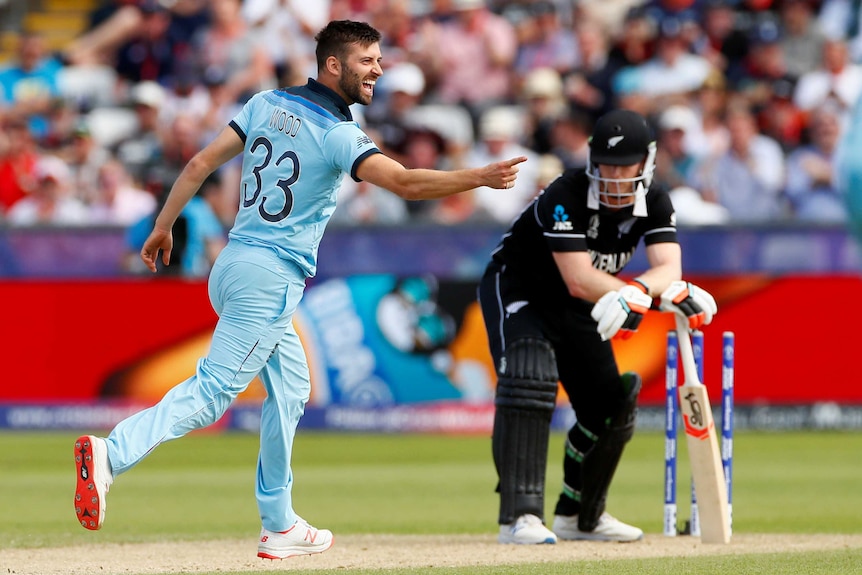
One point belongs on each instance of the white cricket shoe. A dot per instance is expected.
(526, 530)
(301, 539)
(608, 529)
(94, 479)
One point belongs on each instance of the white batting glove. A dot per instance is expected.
(619, 312)
(689, 301)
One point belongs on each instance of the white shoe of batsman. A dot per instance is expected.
(301, 539)
(608, 529)
(526, 530)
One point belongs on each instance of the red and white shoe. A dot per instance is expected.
(93, 480)
(301, 539)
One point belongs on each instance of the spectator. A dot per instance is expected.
(802, 41)
(451, 210)
(399, 90)
(544, 103)
(229, 44)
(141, 153)
(120, 23)
(779, 118)
(425, 148)
(544, 42)
(633, 47)
(837, 79)
(85, 157)
(570, 139)
(724, 42)
(683, 11)
(28, 86)
(221, 109)
(749, 177)
(589, 87)
(18, 157)
(710, 103)
(198, 237)
(186, 94)
(151, 53)
(674, 162)
(550, 168)
(673, 72)
(811, 181)
(118, 201)
(764, 64)
(180, 141)
(111, 25)
(693, 210)
(361, 203)
(611, 15)
(472, 57)
(676, 167)
(840, 19)
(499, 130)
(50, 202)
(286, 29)
(63, 119)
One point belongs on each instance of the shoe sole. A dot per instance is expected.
(592, 537)
(89, 505)
(507, 541)
(296, 551)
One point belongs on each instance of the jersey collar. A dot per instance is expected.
(333, 102)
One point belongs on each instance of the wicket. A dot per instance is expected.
(671, 410)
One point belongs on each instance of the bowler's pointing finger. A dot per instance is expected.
(515, 161)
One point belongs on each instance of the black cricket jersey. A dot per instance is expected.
(558, 220)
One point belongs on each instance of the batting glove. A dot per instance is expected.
(619, 312)
(689, 301)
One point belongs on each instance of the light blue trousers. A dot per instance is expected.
(255, 294)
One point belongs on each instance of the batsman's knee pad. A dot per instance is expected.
(525, 400)
(600, 464)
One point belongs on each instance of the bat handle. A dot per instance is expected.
(685, 351)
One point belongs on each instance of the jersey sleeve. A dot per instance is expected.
(346, 145)
(556, 214)
(662, 227)
(242, 121)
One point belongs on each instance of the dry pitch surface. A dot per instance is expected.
(381, 552)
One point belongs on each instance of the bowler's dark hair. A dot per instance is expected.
(337, 36)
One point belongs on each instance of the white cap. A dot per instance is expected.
(543, 82)
(500, 123)
(404, 77)
(148, 93)
(692, 209)
(53, 168)
(467, 4)
(678, 117)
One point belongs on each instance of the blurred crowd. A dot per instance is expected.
(749, 100)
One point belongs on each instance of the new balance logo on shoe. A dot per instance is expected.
(301, 539)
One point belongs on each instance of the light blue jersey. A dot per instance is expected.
(299, 143)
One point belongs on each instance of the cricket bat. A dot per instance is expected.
(703, 451)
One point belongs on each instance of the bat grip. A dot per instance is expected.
(685, 351)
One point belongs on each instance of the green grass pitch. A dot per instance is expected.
(202, 487)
